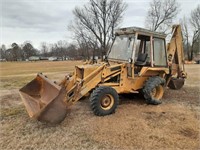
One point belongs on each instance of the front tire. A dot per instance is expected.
(104, 100)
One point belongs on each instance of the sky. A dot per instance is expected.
(47, 20)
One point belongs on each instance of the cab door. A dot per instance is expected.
(159, 52)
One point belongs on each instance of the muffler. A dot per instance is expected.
(44, 100)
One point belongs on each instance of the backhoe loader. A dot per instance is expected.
(139, 60)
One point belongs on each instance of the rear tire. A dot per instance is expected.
(104, 100)
(154, 90)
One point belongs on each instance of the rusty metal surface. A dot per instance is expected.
(43, 100)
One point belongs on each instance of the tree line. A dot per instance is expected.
(60, 49)
(17, 52)
(93, 30)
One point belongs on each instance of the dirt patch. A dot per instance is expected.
(5, 112)
(9, 98)
(190, 133)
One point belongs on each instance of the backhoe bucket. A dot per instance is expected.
(176, 83)
(43, 100)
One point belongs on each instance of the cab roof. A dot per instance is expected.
(133, 30)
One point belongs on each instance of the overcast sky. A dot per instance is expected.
(47, 20)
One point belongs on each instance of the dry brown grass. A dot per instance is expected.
(16, 74)
(174, 124)
(24, 68)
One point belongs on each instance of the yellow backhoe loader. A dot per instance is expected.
(138, 61)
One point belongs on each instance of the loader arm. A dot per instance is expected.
(83, 86)
(48, 102)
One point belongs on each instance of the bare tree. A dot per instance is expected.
(195, 22)
(161, 14)
(13, 53)
(28, 50)
(185, 32)
(16, 52)
(2, 51)
(83, 47)
(61, 49)
(95, 22)
(44, 49)
(86, 42)
(72, 51)
(195, 18)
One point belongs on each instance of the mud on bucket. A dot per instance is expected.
(43, 100)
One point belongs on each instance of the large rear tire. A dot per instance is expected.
(154, 90)
(104, 100)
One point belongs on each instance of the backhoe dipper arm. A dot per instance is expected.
(176, 53)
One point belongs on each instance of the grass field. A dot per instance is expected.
(15, 75)
(175, 124)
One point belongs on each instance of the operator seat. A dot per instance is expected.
(141, 60)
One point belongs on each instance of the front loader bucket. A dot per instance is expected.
(43, 100)
(176, 83)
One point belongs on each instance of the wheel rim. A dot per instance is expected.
(157, 92)
(107, 102)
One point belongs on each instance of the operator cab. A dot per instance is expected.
(140, 47)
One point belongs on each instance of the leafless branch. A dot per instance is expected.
(94, 23)
(161, 14)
